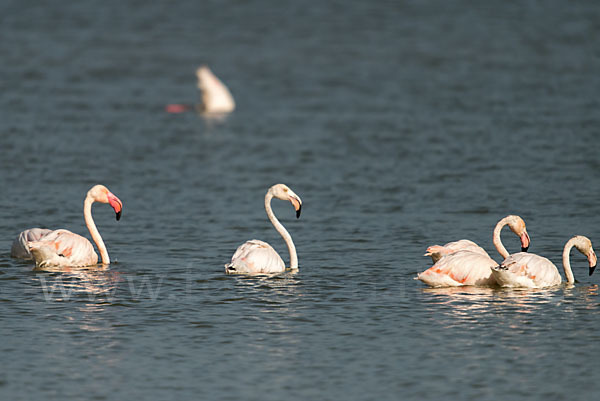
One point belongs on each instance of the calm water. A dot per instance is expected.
(400, 124)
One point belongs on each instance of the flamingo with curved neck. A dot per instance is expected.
(465, 263)
(516, 225)
(258, 257)
(533, 271)
(62, 247)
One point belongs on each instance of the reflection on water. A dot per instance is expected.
(277, 289)
(66, 283)
(588, 294)
(469, 302)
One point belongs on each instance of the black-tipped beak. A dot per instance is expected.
(298, 212)
(524, 249)
(119, 215)
(592, 268)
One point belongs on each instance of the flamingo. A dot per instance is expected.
(258, 257)
(468, 267)
(533, 271)
(63, 248)
(216, 99)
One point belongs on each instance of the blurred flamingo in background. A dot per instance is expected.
(215, 97)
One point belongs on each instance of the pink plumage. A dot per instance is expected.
(62, 247)
(465, 263)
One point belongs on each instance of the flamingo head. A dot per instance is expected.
(283, 192)
(437, 252)
(99, 193)
(517, 226)
(584, 245)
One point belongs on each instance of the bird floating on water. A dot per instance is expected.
(62, 248)
(216, 99)
(528, 270)
(465, 263)
(258, 257)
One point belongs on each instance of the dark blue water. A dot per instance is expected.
(400, 124)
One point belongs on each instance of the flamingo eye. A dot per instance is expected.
(285, 189)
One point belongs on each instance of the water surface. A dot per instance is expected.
(400, 124)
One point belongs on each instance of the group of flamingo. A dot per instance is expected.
(62, 248)
(458, 263)
(465, 263)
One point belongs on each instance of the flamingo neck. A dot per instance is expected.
(497, 241)
(567, 262)
(282, 231)
(89, 222)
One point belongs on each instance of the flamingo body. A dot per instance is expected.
(257, 257)
(63, 248)
(20, 249)
(439, 251)
(458, 269)
(526, 270)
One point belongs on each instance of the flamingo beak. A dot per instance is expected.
(432, 250)
(116, 204)
(592, 260)
(525, 241)
(297, 203)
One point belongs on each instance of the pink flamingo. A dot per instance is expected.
(533, 271)
(62, 247)
(439, 251)
(466, 266)
(258, 257)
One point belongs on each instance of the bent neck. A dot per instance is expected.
(567, 262)
(89, 222)
(496, 239)
(282, 231)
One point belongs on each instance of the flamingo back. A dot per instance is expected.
(255, 257)
(439, 251)
(63, 248)
(19, 248)
(526, 270)
(460, 268)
